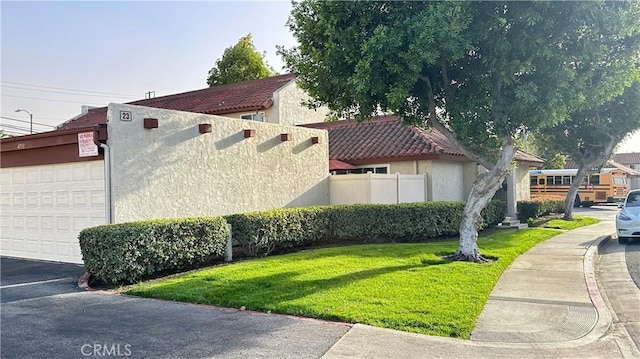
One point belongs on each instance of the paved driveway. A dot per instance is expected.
(44, 315)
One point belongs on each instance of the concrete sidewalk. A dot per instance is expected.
(547, 304)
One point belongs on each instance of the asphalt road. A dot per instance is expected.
(632, 256)
(44, 315)
(632, 249)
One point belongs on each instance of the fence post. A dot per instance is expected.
(397, 187)
(426, 187)
(228, 251)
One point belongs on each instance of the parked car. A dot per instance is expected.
(628, 219)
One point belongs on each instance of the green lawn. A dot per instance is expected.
(400, 286)
(578, 221)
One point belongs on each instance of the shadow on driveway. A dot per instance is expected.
(26, 279)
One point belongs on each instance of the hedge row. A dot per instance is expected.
(129, 252)
(262, 232)
(535, 208)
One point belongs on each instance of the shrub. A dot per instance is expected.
(130, 252)
(537, 207)
(262, 232)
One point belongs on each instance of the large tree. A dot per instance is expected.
(241, 62)
(478, 72)
(590, 135)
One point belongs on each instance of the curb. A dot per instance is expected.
(605, 320)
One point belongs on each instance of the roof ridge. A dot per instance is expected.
(231, 86)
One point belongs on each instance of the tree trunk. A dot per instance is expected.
(583, 168)
(483, 189)
(573, 191)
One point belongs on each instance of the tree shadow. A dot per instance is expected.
(270, 292)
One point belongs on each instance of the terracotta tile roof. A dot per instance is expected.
(240, 97)
(627, 158)
(387, 138)
(339, 165)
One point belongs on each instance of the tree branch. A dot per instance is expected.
(440, 127)
(446, 81)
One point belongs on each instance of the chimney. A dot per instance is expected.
(85, 108)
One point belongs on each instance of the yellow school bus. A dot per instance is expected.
(607, 186)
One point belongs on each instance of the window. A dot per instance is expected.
(383, 169)
(534, 180)
(370, 169)
(254, 117)
(618, 180)
(549, 180)
(594, 179)
(566, 180)
(557, 180)
(633, 200)
(541, 181)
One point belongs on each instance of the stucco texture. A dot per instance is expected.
(174, 171)
(291, 111)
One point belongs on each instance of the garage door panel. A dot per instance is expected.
(45, 207)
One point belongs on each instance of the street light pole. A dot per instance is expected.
(30, 119)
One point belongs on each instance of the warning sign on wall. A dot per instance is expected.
(86, 146)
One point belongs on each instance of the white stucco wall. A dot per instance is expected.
(523, 191)
(404, 167)
(174, 171)
(447, 181)
(290, 110)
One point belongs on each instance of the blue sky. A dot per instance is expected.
(127, 49)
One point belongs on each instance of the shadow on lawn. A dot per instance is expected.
(271, 292)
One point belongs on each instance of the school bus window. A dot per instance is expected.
(594, 179)
(618, 180)
(566, 180)
(541, 181)
(549, 180)
(557, 180)
(534, 180)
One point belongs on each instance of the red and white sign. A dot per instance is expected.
(86, 146)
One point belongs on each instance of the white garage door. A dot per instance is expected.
(45, 207)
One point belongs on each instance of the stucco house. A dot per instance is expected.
(146, 163)
(274, 99)
(385, 145)
(631, 160)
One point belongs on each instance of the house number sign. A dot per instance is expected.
(125, 115)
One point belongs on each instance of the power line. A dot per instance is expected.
(15, 127)
(35, 123)
(67, 89)
(68, 93)
(13, 133)
(48, 99)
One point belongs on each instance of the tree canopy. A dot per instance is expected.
(241, 62)
(481, 73)
(589, 136)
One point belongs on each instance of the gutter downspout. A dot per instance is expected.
(107, 182)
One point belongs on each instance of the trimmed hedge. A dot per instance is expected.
(535, 208)
(130, 252)
(262, 232)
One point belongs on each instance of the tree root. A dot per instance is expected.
(465, 258)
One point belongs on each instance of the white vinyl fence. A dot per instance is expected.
(377, 188)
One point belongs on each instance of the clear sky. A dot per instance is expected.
(117, 51)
